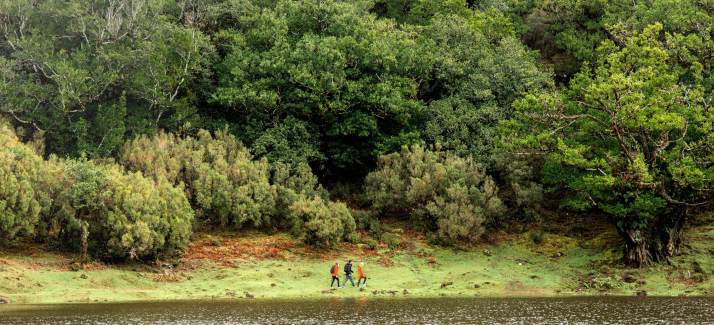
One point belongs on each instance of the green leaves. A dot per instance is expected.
(68, 74)
(625, 136)
(20, 171)
(437, 189)
(90, 201)
(320, 223)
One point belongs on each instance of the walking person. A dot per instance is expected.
(360, 275)
(348, 274)
(334, 271)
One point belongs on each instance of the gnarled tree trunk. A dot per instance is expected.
(660, 241)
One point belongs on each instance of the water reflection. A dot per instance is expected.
(579, 310)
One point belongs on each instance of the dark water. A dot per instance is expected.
(576, 310)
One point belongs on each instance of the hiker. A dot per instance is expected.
(348, 274)
(360, 275)
(335, 268)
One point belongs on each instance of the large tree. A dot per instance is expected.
(89, 74)
(335, 84)
(629, 138)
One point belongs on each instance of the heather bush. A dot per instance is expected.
(438, 190)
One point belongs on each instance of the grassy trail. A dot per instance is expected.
(229, 266)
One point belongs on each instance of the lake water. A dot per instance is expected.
(367, 310)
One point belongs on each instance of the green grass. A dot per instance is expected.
(593, 262)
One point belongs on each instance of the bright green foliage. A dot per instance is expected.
(145, 217)
(322, 224)
(94, 72)
(125, 214)
(437, 189)
(629, 139)
(220, 177)
(580, 26)
(20, 167)
(225, 184)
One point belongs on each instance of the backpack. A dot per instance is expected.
(346, 271)
(332, 270)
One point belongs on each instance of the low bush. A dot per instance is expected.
(438, 190)
(321, 224)
(392, 241)
(371, 243)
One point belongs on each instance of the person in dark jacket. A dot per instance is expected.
(348, 274)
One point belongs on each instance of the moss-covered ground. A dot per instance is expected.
(230, 265)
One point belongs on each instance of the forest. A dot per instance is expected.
(125, 125)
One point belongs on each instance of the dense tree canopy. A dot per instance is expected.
(630, 139)
(228, 111)
(330, 83)
(92, 73)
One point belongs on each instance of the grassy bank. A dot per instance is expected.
(229, 265)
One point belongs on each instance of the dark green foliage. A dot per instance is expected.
(332, 84)
(522, 174)
(536, 237)
(436, 189)
(478, 77)
(97, 72)
(375, 229)
(363, 219)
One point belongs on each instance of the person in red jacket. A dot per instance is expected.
(335, 269)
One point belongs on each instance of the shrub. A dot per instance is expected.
(143, 217)
(392, 241)
(91, 202)
(371, 243)
(522, 174)
(321, 224)
(19, 168)
(218, 174)
(536, 237)
(439, 190)
(222, 180)
(363, 219)
(375, 229)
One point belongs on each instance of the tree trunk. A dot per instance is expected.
(637, 247)
(84, 242)
(658, 242)
(671, 233)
